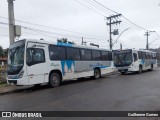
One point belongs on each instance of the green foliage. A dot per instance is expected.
(64, 40)
(3, 53)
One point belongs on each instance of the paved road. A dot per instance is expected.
(116, 92)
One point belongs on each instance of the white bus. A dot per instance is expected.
(131, 60)
(34, 62)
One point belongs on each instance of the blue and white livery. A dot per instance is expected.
(32, 62)
(131, 60)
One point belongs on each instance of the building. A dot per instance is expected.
(3, 61)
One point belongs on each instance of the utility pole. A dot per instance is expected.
(120, 46)
(11, 21)
(83, 42)
(148, 34)
(147, 45)
(110, 23)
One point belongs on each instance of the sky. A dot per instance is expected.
(74, 19)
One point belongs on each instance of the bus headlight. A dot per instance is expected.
(21, 74)
(131, 66)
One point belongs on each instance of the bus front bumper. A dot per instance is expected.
(20, 81)
(127, 69)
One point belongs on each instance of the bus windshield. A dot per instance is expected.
(123, 58)
(16, 57)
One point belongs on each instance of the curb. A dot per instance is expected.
(7, 90)
(13, 89)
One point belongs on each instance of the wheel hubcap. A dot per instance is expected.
(97, 74)
(55, 80)
(140, 70)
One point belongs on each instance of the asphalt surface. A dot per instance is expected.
(131, 92)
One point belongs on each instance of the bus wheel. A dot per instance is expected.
(152, 67)
(37, 85)
(97, 74)
(140, 69)
(54, 80)
(123, 73)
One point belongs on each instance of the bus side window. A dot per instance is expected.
(105, 55)
(140, 55)
(35, 56)
(110, 56)
(135, 57)
(57, 53)
(96, 55)
(73, 53)
(86, 55)
(143, 55)
(154, 56)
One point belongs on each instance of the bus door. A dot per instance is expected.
(135, 59)
(36, 63)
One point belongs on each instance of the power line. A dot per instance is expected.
(157, 35)
(89, 8)
(39, 33)
(122, 15)
(106, 7)
(153, 41)
(52, 28)
(43, 31)
(133, 23)
(3, 27)
(91, 3)
(4, 23)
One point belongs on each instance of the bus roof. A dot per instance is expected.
(69, 45)
(141, 50)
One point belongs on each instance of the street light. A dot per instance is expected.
(121, 34)
(92, 44)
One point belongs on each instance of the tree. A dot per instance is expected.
(64, 40)
(1, 51)
(5, 52)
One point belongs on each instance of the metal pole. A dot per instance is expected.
(120, 36)
(11, 21)
(147, 41)
(120, 46)
(110, 33)
(82, 40)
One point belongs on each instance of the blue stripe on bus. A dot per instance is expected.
(68, 64)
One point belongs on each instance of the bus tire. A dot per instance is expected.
(97, 74)
(123, 73)
(54, 80)
(140, 69)
(37, 85)
(151, 67)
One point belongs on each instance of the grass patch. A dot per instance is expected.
(3, 84)
(2, 74)
(2, 68)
